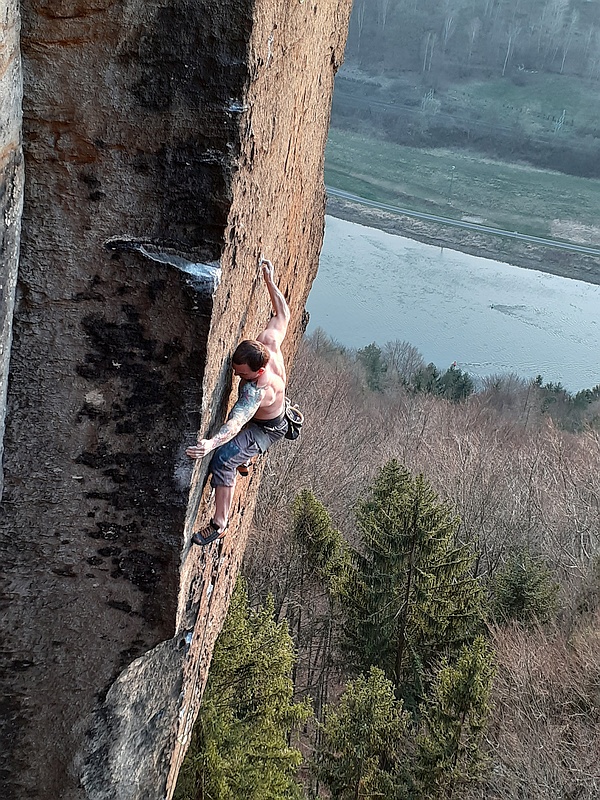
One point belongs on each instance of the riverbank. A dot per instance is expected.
(576, 266)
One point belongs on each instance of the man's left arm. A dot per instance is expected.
(246, 407)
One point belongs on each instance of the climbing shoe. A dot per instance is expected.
(209, 534)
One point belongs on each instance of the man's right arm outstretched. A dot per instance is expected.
(275, 332)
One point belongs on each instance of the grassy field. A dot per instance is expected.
(459, 184)
(536, 105)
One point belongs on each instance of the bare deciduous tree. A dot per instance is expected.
(543, 732)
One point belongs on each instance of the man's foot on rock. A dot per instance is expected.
(244, 470)
(209, 534)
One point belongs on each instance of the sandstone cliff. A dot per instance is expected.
(198, 126)
(11, 189)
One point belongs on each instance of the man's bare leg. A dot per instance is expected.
(223, 500)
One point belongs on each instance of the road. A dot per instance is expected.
(457, 223)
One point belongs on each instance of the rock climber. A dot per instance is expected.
(257, 420)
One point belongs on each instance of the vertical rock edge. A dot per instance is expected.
(11, 191)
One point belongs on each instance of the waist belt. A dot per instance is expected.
(270, 424)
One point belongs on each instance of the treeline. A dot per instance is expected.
(435, 75)
(399, 365)
(438, 121)
(436, 564)
(483, 38)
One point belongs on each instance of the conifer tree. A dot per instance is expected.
(371, 358)
(524, 589)
(411, 596)
(455, 384)
(453, 721)
(426, 379)
(324, 560)
(365, 742)
(240, 747)
(327, 552)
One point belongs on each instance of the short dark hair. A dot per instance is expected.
(252, 353)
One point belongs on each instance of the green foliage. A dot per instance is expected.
(524, 589)
(453, 384)
(326, 550)
(585, 397)
(240, 747)
(426, 379)
(454, 719)
(371, 358)
(572, 412)
(398, 364)
(365, 742)
(411, 596)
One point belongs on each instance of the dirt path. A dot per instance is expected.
(577, 266)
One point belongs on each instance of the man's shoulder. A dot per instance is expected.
(251, 391)
(271, 340)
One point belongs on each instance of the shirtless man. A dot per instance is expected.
(257, 420)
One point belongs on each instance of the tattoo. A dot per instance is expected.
(248, 403)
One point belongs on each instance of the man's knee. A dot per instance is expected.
(218, 459)
(223, 471)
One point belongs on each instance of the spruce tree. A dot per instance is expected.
(426, 379)
(325, 550)
(324, 560)
(240, 747)
(524, 589)
(453, 722)
(455, 384)
(374, 365)
(365, 742)
(411, 596)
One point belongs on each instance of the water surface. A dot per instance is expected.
(487, 316)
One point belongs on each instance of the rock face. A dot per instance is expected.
(11, 189)
(199, 128)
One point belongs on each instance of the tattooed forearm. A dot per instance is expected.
(242, 412)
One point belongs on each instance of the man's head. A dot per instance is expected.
(249, 359)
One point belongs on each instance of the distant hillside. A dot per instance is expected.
(511, 80)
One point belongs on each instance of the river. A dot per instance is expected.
(489, 317)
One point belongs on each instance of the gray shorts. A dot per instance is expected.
(251, 441)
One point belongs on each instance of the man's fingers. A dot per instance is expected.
(195, 452)
(267, 267)
(199, 450)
